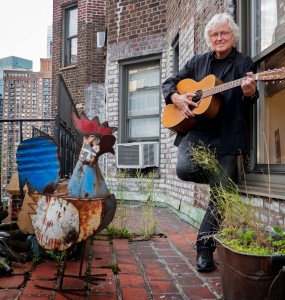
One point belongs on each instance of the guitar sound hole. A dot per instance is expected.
(198, 96)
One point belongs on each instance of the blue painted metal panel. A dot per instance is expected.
(38, 164)
(87, 182)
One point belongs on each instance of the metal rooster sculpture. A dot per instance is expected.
(63, 219)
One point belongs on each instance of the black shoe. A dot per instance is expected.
(205, 261)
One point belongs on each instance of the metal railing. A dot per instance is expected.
(67, 137)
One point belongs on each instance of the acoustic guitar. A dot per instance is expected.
(208, 96)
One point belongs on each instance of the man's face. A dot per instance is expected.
(222, 40)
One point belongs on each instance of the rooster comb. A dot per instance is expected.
(89, 127)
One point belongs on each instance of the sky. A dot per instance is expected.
(23, 29)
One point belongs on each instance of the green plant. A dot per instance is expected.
(56, 255)
(140, 179)
(241, 227)
(253, 242)
(88, 271)
(122, 233)
(149, 221)
(36, 259)
(114, 267)
(122, 225)
(121, 212)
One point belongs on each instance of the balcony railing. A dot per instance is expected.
(68, 139)
(66, 135)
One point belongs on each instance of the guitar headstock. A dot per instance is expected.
(276, 74)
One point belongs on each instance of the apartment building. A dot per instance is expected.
(49, 42)
(146, 42)
(10, 63)
(13, 63)
(26, 96)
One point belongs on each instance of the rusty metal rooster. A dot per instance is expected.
(86, 207)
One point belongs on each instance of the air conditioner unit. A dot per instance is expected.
(137, 155)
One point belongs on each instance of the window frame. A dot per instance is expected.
(176, 53)
(258, 167)
(259, 179)
(124, 66)
(66, 53)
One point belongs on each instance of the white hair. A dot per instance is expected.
(220, 19)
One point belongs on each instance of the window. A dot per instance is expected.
(70, 36)
(268, 50)
(140, 105)
(266, 45)
(269, 25)
(271, 125)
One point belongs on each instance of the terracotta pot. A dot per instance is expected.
(247, 277)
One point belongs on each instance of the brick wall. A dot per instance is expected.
(136, 29)
(90, 67)
(141, 28)
(185, 19)
(188, 18)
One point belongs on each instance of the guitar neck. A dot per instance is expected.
(225, 86)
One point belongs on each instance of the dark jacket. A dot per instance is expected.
(230, 121)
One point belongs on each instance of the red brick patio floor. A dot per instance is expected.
(160, 268)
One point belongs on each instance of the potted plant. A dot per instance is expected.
(251, 251)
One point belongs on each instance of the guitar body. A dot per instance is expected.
(208, 107)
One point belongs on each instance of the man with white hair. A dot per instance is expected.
(225, 132)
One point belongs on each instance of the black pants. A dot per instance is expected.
(188, 170)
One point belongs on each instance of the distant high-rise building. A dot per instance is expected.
(1, 116)
(26, 95)
(49, 42)
(1, 108)
(11, 63)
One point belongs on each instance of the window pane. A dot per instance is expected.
(271, 125)
(70, 36)
(73, 51)
(269, 23)
(143, 100)
(144, 77)
(143, 128)
(72, 27)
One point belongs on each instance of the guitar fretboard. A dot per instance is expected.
(225, 86)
